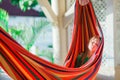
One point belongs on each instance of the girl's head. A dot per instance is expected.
(94, 41)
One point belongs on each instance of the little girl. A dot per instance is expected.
(92, 46)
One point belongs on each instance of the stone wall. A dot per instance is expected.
(117, 38)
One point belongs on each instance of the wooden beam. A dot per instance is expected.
(59, 33)
(68, 16)
(46, 7)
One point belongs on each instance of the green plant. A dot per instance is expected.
(28, 35)
(0, 1)
(4, 19)
(25, 4)
(15, 32)
(46, 54)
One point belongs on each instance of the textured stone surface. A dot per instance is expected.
(117, 38)
(117, 31)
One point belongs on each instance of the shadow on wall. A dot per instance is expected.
(104, 77)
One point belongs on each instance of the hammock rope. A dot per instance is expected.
(20, 64)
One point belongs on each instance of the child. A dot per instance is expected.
(84, 57)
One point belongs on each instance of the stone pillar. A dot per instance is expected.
(117, 38)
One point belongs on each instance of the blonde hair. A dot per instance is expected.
(95, 37)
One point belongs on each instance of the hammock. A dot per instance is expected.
(20, 64)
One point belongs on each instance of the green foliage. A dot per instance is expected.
(15, 2)
(28, 35)
(0, 1)
(50, 46)
(4, 19)
(36, 30)
(15, 33)
(42, 14)
(49, 1)
(25, 4)
(46, 54)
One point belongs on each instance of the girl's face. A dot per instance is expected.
(93, 43)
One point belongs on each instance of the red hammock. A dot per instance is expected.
(20, 64)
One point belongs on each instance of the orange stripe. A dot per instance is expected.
(12, 58)
(37, 67)
(7, 68)
(83, 35)
(90, 22)
(86, 30)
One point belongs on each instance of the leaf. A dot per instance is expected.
(46, 54)
(27, 4)
(15, 32)
(4, 19)
(15, 2)
(0, 1)
(50, 46)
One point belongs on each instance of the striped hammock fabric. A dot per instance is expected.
(20, 64)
